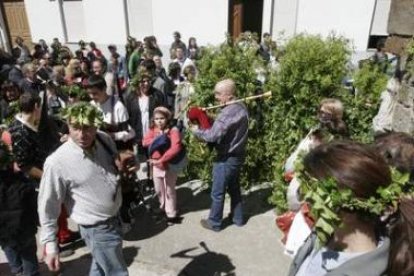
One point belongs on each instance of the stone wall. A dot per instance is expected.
(401, 18)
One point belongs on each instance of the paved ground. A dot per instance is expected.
(152, 248)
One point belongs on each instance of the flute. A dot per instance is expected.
(267, 94)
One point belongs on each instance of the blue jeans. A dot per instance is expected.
(22, 259)
(226, 172)
(104, 240)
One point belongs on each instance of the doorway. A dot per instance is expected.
(15, 18)
(245, 15)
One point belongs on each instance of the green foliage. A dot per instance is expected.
(326, 199)
(360, 109)
(75, 91)
(83, 114)
(240, 64)
(13, 110)
(311, 69)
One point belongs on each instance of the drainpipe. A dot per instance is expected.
(272, 15)
(63, 21)
(296, 17)
(126, 16)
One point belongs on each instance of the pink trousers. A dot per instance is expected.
(164, 184)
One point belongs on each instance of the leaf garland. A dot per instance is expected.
(83, 114)
(327, 199)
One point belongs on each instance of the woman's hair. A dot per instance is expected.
(398, 150)
(363, 170)
(164, 112)
(174, 69)
(195, 43)
(8, 85)
(352, 165)
(336, 109)
(190, 72)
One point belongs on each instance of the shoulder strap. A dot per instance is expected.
(107, 148)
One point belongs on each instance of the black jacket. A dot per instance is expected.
(156, 98)
(18, 205)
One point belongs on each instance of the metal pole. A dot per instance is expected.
(126, 17)
(272, 14)
(63, 21)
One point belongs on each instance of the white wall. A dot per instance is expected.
(351, 18)
(267, 16)
(105, 21)
(380, 21)
(284, 18)
(140, 18)
(44, 19)
(205, 20)
(75, 20)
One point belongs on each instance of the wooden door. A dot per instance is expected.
(237, 16)
(16, 21)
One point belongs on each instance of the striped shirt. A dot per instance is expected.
(84, 182)
(229, 131)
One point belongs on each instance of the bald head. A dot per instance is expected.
(225, 90)
(226, 86)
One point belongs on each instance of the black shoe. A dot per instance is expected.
(205, 224)
(174, 220)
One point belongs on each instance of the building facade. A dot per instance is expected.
(111, 21)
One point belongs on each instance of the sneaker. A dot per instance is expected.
(74, 236)
(205, 224)
(65, 252)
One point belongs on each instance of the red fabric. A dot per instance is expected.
(175, 138)
(199, 117)
(6, 138)
(63, 230)
(288, 176)
(284, 221)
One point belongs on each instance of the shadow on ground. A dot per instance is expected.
(146, 225)
(255, 200)
(80, 266)
(208, 263)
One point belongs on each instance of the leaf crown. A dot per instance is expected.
(83, 114)
(327, 199)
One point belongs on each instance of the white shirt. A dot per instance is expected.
(143, 101)
(115, 112)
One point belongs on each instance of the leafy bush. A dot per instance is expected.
(242, 65)
(360, 109)
(310, 69)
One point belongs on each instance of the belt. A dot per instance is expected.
(107, 221)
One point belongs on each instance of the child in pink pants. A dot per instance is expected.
(164, 179)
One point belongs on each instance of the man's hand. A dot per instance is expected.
(53, 262)
(194, 127)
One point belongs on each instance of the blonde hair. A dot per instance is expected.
(334, 107)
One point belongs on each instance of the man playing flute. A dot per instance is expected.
(229, 137)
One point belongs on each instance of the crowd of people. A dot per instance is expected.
(75, 126)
